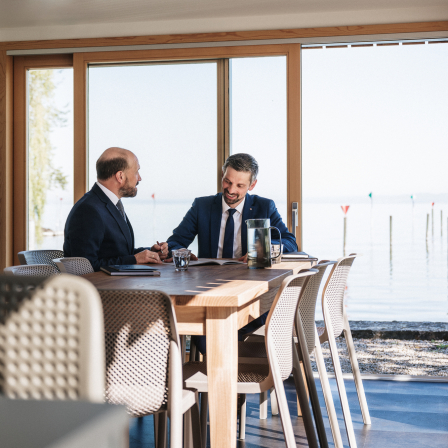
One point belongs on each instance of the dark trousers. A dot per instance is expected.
(200, 341)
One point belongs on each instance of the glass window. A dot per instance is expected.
(374, 138)
(167, 115)
(258, 122)
(50, 156)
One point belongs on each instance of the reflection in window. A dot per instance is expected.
(50, 155)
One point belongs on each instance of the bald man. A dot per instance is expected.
(97, 227)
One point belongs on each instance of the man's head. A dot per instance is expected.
(239, 175)
(117, 169)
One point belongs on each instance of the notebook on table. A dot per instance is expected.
(130, 269)
(212, 261)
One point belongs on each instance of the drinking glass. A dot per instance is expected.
(181, 259)
(276, 251)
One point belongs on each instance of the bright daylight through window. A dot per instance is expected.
(375, 136)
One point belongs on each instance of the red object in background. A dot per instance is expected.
(433, 204)
(153, 195)
(345, 208)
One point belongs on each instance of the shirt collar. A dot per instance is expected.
(112, 196)
(239, 208)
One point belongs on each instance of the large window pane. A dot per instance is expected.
(167, 115)
(50, 156)
(374, 122)
(258, 121)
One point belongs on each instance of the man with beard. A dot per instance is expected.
(219, 222)
(97, 227)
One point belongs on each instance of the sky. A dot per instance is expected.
(373, 120)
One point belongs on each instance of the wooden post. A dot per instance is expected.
(390, 230)
(432, 221)
(345, 233)
(427, 225)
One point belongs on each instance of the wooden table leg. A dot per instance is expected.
(222, 371)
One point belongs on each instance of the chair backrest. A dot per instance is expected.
(280, 322)
(39, 256)
(306, 309)
(52, 338)
(333, 294)
(141, 347)
(36, 270)
(74, 265)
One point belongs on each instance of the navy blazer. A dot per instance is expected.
(204, 220)
(96, 230)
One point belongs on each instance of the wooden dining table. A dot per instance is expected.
(215, 301)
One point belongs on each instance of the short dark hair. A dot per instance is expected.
(242, 162)
(107, 168)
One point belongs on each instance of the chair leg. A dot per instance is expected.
(188, 433)
(193, 351)
(329, 403)
(299, 408)
(156, 428)
(204, 413)
(242, 429)
(302, 348)
(303, 399)
(162, 430)
(356, 373)
(196, 425)
(183, 344)
(274, 404)
(341, 389)
(264, 405)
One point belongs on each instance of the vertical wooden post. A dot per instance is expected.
(427, 225)
(345, 234)
(432, 221)
(6, 160)
(390, 231)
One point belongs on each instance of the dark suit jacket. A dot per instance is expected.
(96, 230)
(204, 220)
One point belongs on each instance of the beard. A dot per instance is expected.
(127, 191)
(231, 201)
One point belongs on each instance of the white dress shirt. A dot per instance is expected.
(237, 219)
(112, 196)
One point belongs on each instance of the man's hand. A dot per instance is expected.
(193, 257)
(161, 249)
(146, 256)
(243, 258)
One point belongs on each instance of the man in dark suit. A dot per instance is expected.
(97, 227)
(219, 222)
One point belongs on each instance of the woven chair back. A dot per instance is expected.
(74, 265)
(39, 256)
(36, 270)
(307, 304)
(52, 340)
(279, 323)
(334, 291)
(139, 329)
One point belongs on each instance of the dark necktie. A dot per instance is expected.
(121, 209)
(227, 248)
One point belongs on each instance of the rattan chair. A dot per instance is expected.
(305, 335)
(52, 340)
(255, 378)
(74, 265)
(37, 270)
(143, 361)
(336, 322)
(39, 256)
